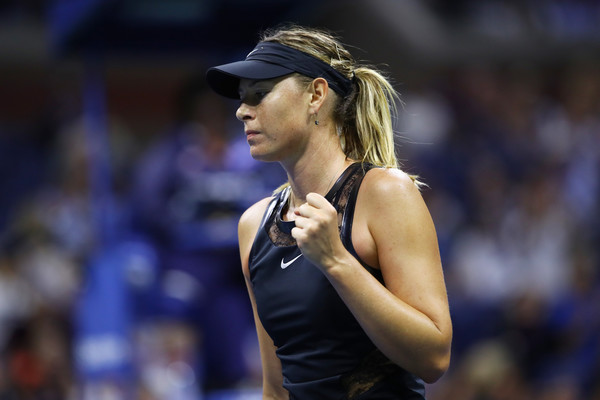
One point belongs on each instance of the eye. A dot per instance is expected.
(253, 98)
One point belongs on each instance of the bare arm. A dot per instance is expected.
(408, 319)
(271, 366)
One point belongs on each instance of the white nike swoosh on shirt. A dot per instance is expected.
(284, 264)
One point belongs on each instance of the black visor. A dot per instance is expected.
(271, 60)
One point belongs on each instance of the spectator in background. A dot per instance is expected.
(189, 191)
(523, 265)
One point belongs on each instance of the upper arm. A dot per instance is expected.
(406, 243)
(271, 366)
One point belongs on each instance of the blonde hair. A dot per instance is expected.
(363, 117)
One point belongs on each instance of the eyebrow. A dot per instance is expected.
(253, 83)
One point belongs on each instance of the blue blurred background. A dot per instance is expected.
(122, 178)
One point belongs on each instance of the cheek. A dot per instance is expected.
(282, 113)
(283, 119)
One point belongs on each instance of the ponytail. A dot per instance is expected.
(363, 117)
(366, 119)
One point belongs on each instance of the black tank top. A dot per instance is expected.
(324, 352)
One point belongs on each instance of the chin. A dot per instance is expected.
(264, 157)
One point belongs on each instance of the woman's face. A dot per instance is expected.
(275, 116)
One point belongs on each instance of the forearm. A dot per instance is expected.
(280, 394)
(404, 334)
(272, 381)
(274, 396)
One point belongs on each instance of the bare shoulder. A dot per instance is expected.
(390, 185)
(389, 210)
(251, 218)
(393, 206)
(248, 227)
(254, 213)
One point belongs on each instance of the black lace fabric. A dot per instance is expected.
(278, 236)
(340, 198)
(374, 368)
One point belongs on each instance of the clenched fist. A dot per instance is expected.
(316, 231)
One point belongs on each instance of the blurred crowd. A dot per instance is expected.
(126, 284)
(123, 281)
(512, 157)
(512, 161)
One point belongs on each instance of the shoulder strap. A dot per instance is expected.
(274, 206)
(333, 195)
(348, 216)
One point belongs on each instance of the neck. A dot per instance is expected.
(317, 165)
(317, 175)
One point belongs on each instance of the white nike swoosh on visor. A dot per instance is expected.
(284, 264)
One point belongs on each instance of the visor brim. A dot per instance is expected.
(225, 79)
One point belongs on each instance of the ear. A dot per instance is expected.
(319, 88)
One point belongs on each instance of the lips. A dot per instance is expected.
(250, 134)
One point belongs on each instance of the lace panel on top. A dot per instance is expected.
(279, 230)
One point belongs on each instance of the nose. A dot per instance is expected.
(244, 112)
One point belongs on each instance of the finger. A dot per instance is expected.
(316, 200)
(306, 210)
(301, 222)
(295, 231)
(298, 234)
